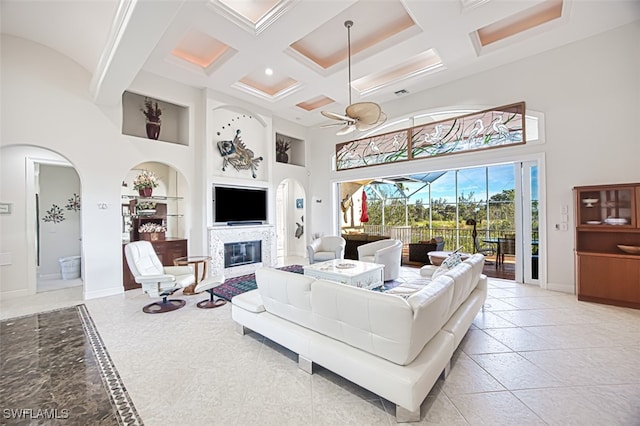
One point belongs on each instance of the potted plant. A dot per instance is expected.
(282, 147)
(145, 182)
(152, 112)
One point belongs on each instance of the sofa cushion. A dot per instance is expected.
(385, 325)
(249, 301)
(286, 294)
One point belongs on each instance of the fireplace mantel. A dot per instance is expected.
(219, 235)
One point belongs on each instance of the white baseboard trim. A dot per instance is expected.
(564, 288)
(112, 291)
(15, 294)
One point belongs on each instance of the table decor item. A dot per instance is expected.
(589, 202)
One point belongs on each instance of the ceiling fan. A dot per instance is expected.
(361, 115)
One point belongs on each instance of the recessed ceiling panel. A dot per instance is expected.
(199, 49)
(253, 15)
(267, 86)
(529, 18)
(374, 22)
(427, 61)
(315, 103)
(252, 10)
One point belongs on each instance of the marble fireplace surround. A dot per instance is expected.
(220, 235)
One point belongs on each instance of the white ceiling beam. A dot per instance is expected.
(134, 34)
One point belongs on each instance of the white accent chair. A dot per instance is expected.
(385, 252)
(326, 248)
(157, 280)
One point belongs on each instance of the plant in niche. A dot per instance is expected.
(282, 147)
(151, 110)
(146, 179)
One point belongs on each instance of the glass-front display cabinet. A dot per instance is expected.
(608, 244)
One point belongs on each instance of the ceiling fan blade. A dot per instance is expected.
(342, 123)
(334, 116)
(364, 112)
(346, 130)
(363, 126)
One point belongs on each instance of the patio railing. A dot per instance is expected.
(453, 237)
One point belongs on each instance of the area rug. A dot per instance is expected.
(56, 370)
(238, 285)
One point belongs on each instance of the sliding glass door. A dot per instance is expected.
(527, 211)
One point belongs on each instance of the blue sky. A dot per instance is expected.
(501, 178)
(469, 180)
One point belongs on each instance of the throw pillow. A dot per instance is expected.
(448, 264)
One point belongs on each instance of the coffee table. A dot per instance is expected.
(350, 272)
(436, 257)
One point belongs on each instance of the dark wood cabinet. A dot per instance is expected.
(167, 250)
(607, 217)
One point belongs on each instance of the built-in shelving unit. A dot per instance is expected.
(174, 121)
(295, 155)
(607, 217)
(160, 210)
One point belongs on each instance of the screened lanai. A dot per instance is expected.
(420, 207)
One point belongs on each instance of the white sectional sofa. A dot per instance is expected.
(395, 346)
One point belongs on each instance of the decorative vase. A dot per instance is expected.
(282, 157)
(153, 129)
(145, 192)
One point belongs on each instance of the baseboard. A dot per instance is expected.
(563, 288)
(15, 294)
(112, 291)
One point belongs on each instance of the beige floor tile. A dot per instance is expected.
(513, 371)
(520, 339)
(468, 377)
(591, 405)
(494, 408)
(488, 319)
(479, 342)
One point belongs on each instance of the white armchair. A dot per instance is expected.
(326, 248)
(385, 252)
(157, 280)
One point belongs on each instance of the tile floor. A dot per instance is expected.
(532, 357)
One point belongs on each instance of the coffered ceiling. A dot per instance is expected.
(290, 57)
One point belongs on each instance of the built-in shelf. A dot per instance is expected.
(295, 154)
(174, 120)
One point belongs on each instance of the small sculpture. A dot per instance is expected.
(238, 155)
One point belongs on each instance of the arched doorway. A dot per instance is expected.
(46, 248)
(290, 212)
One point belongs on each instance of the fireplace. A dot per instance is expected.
(242, 253)
(255, 247)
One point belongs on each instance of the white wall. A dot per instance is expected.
(589, 93)
(45, 103)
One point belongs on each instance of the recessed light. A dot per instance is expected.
(268, 71)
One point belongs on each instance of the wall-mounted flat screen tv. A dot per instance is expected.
(233, 204)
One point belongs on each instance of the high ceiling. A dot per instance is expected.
(226, 45)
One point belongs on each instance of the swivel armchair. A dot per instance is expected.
(326, 248)
(157, 280)
(385, 252)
